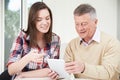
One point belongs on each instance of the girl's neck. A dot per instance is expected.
(40, 40)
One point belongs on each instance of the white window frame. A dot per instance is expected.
(24, 14)
(1, 35)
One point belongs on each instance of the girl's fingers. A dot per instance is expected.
(53, 75)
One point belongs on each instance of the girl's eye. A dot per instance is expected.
(47, 18)
(38, 19)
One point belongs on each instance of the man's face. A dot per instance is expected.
(85, 26)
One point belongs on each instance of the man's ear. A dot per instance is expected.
(96, 21)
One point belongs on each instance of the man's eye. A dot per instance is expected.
(84, 24)
(77, 24)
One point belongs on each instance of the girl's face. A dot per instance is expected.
(43, 21)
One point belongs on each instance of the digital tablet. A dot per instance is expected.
(58, 65)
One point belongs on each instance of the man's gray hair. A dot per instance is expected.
(85, 8)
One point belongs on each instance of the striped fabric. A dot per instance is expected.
(21, 47)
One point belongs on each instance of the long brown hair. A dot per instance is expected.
(31, 30)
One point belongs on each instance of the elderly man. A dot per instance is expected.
(94, 54)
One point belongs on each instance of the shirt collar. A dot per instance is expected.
(96, 36)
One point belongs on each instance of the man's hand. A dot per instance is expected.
(75, 67)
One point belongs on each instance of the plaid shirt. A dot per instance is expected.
(21, 47)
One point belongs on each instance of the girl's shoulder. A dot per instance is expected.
(22, 34)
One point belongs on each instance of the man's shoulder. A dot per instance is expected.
(103, 34)
(74, 41)
(108, 38)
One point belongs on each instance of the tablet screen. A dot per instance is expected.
(58, 65)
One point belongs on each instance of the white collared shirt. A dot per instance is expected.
(96, 37)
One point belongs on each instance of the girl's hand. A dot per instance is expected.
(34, 56)
(18, 76)
(53, 75)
